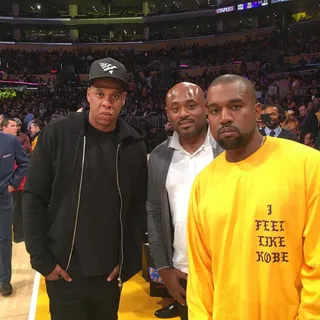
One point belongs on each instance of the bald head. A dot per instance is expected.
(235, 79)
(185, 104)
(188, 88)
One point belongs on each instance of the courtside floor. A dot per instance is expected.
(135, 301)
(30, 302)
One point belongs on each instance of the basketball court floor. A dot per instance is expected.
(29, 300)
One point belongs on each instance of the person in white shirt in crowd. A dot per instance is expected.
(173, 166)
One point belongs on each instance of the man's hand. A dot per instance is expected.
(171, 278)
(113, 274)
(10, 189)
(57, 274)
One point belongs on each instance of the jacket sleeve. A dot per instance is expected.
(154, 217)
(200, 281)
(36, 200)
(22, 161)
(310, 271)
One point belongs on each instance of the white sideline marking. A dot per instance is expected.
(34, 298)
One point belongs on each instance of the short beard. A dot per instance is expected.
(232, 144)
(240, 142)
(187, 134)
(272, 126)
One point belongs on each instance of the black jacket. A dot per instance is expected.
(52, 194)
(284, 134)
(309, 125)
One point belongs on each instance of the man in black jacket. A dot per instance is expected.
(84, 202)
(272, 128)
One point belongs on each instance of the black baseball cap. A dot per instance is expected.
(109, 68)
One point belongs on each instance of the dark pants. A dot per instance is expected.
(5, 237)
(17, 221)
(85, 298)
(183, 310)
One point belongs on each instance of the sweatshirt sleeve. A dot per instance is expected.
(200, 279)
(36, 199)
(310, 271)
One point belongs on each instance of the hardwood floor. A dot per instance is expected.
(135, 301)
(16, 307)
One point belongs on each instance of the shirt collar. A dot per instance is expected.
(277, 131)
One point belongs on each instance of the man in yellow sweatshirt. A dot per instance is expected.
(254, 219)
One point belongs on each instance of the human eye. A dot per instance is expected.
(214, 110)
(99, 94)
(116, 96)
(236, 107)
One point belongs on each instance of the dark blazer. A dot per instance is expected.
(309, 125)
(11, 152)
(284, 134)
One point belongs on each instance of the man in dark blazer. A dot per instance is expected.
(11, 153)
(273, 128)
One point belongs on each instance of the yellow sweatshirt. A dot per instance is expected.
(254, 236)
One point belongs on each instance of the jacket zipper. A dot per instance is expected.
(78, 210)
(121, 222)
(78, 203)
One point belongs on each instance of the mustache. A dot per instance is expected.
(185, 119)
(228, 127)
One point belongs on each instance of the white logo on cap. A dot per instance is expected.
(108, 67)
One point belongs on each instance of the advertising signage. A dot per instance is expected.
(252, 5)
(278, 1)
(225, 9)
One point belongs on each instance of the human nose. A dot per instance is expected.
(183, 113)
(225, 116)
(107, 101)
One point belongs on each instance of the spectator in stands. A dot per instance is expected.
(310, 140)
(291, 123)
(24, 139)
(226, 226)
(84, 202)
(29, 117)
(308, 122)
(56, 115)
(162, 135)
(283, 87)
(35, 129)
(11, 152)
(296, 87)
(173, 166)
(273, 128)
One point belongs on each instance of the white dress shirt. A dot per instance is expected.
(183, 170)
(277, 131)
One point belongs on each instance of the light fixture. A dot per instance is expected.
(39, 6)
